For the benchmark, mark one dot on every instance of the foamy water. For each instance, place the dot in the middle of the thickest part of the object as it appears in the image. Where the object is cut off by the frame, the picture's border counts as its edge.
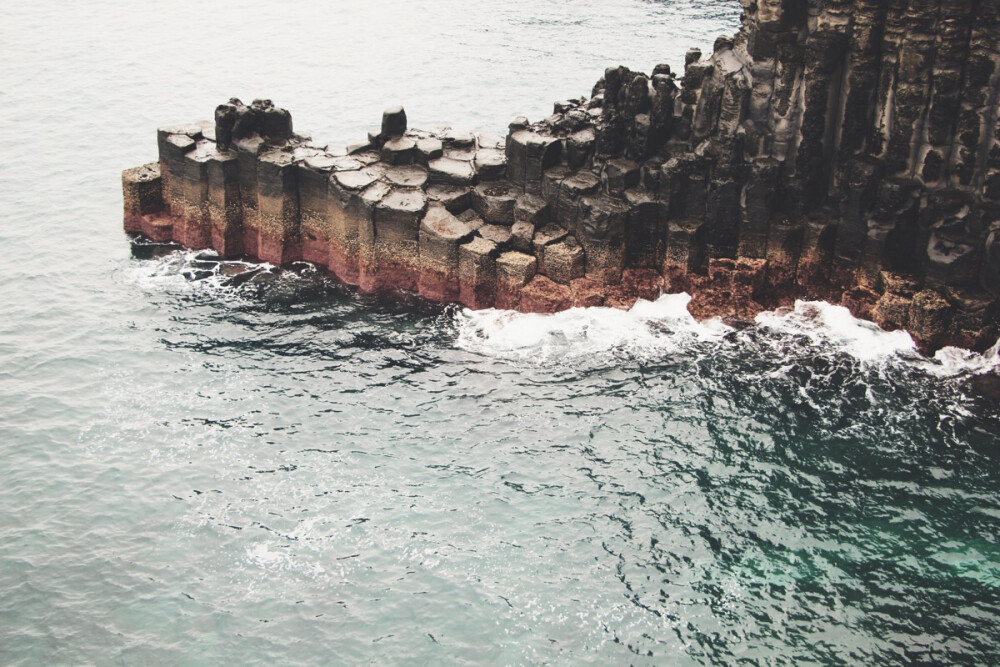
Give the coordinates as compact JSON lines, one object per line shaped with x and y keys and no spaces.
{"x":650,"y":328}
{"x":665,"y":326}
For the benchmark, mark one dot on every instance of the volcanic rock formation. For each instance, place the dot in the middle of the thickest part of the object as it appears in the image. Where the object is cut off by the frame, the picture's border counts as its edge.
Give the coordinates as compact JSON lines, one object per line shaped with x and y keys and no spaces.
{"x":847,"y":150}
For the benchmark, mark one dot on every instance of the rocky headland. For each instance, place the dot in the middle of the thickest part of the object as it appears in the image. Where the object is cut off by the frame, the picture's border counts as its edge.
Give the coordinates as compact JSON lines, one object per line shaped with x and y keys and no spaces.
{"x":846,"y":150}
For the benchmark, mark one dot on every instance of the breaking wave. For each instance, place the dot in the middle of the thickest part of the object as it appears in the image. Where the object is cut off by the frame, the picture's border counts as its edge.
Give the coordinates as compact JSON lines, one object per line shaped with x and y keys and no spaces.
{"x":653,"y":329}
{"x":649,"y":328}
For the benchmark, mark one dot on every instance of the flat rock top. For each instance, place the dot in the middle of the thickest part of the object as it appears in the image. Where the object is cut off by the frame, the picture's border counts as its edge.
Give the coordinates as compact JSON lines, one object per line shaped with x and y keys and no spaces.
{"x":407,"y":201}
{"x":458,"y":138}
{"x":490,"y":156}
{"x":357,"y":180}
{"x":603,"y":204}
{"x":527,"y":137}
{"x":189,"y":129}
{"x":366,"y":157}
{"x":728,"y":61}
{"x":279,"y":158}
{"x":479,"y":246}
{"x":495,"y":233}
{"x":622,"y":164}
{"x":374,"y":193}
{"x":439,"y":222}
{"x":321,"y":162}
{"x":182,"y":141}
{"x":300,"y":153}
{"x":496,"y":189}
{"x":252,"y":144}
{"x":344,"y":163}
{"x":582,"y":180}
{"x":516,"y":259}
{"x":550,"y":234}
{"x":204,"y":151}
{"x":683,"y":225}
{"x":446,"y":193}
{"x":399,"y":144}
{"x":147,"y":172}
{"x":566,"y":247}
{"x":466,"y":153}
{"x":529,"y":204}
{"x":410,"y":175}
{"x":490,"y":140}
{"x":455,"y":169}
{"x":640,"y":196}
{"x":429,"y":146}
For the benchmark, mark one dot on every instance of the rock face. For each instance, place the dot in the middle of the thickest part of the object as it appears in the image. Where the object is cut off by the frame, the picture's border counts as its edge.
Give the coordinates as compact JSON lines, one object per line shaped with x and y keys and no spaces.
{"x":847,"y":150}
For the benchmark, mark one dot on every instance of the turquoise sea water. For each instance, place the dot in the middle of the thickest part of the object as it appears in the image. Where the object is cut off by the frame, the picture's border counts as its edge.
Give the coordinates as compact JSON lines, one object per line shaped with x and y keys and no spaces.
{"x":287,"y":472}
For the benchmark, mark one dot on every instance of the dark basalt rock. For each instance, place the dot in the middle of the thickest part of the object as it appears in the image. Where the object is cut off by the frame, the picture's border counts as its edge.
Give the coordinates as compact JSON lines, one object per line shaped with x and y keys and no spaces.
{"x":393,"y":123}
{"x":839,"y":149}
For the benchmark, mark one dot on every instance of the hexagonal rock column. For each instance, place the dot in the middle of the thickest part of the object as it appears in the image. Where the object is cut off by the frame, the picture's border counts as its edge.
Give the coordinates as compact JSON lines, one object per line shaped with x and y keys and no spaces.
{"x":248,"y":149}
{"x":571,"y":189}
{"x":477,"y":273}
{"x":393,"y":122}
{"x":683,"y":254}
{"x":408,"y":176}
{"x":528,"y":155}
{"x":441,"y":234}
{"x":392,"y":261}
{"x":142,"y":191}
{"x":491,"y":164}
{"x":353,"y":193}
{"x":562,"y":262}
{"x":173,"y":144}
{"x":494,"y":202}
{"x":278,"y":208}
{"x":314,"y":207}
{"x":545,"y":237}
{"x":455,"y":198}
{"x":399,"y":150}
{"x":429,"y":149}
{"x":191,"y":201}
{"x":450,"y":171}
{"x":531,"y":208}
{"x":601,"y":232}
{"x":579,"y":148}
{"x":514,"y":270}
{"x":225,"y":207}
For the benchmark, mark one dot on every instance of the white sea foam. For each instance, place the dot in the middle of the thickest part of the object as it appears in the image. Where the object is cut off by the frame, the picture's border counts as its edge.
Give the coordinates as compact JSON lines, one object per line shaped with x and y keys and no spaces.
{"x":829,"y":326}
{"x":954,"y":361}
{"x":660,"y":327}
{"x":173,"y":272}
{"x":834,"y":326}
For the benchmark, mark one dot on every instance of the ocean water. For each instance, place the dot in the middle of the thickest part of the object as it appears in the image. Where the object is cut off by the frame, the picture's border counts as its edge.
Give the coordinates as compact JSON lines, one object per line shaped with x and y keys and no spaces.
{"x":286,"y":472}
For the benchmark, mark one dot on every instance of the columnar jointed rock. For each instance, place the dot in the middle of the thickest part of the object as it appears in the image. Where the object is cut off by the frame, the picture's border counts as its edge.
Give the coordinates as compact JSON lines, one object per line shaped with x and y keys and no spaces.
{"x":838,"y":149}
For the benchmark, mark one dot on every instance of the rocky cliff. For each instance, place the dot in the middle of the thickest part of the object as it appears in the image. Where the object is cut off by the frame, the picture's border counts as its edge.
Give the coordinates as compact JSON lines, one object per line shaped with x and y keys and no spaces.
{"x":847,"y":150}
